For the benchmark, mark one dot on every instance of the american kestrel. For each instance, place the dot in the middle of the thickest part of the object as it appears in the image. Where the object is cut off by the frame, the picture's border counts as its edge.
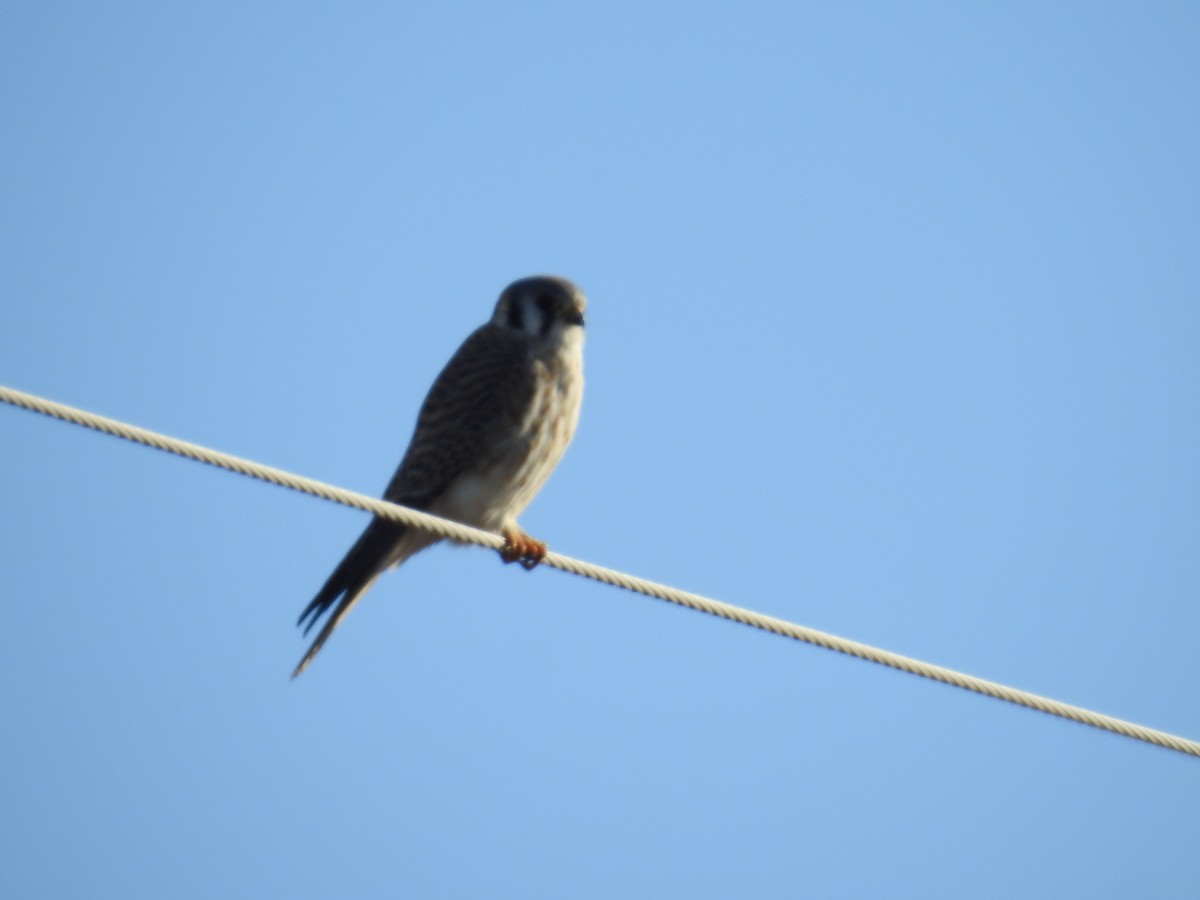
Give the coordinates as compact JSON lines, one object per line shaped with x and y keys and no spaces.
{"x":493,"y":427}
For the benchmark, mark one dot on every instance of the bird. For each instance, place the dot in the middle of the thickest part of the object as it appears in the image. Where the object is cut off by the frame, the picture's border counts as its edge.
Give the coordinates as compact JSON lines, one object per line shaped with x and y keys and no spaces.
{"x":493,"y":426}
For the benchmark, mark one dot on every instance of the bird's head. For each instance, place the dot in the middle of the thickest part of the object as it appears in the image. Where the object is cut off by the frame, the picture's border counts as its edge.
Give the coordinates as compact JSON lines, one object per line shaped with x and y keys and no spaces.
{"x":543,"y":308}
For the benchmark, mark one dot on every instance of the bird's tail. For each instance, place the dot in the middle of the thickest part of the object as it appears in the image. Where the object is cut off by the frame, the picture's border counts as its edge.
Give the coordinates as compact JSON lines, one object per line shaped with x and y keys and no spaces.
{"x":375,"y":551}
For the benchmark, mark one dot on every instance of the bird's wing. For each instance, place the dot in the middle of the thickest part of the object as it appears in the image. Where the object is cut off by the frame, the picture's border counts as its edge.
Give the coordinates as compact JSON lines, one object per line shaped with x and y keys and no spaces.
{"x":484,"y":388}
{"x":480,"y":395}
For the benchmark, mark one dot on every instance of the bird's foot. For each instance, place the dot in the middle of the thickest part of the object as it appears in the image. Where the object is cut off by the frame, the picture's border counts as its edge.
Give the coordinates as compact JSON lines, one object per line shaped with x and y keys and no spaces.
{"x":521,"y":548}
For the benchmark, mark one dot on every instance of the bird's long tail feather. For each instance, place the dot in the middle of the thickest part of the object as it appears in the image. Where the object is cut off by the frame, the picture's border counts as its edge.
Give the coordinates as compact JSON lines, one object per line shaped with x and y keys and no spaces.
{"x":374,"y":551}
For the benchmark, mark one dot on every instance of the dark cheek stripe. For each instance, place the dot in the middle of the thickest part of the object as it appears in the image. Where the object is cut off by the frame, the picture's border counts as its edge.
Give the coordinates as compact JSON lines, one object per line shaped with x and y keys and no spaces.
{"x":516,"y":316}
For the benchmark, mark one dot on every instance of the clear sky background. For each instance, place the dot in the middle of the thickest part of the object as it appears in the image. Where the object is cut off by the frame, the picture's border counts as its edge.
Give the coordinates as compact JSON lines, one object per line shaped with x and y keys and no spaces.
{"x":894,"y":332}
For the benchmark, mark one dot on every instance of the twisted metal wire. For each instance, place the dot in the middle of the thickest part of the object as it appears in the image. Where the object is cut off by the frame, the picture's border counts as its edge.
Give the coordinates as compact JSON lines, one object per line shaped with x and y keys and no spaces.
{"x":467,"y":535}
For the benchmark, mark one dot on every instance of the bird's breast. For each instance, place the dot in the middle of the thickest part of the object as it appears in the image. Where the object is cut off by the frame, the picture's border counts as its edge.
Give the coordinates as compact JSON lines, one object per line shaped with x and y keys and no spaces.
{"x":527,"y":451}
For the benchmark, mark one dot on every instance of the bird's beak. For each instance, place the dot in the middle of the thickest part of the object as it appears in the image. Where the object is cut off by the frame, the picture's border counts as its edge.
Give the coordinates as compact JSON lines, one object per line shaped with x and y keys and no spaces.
{"x":575,"y":317}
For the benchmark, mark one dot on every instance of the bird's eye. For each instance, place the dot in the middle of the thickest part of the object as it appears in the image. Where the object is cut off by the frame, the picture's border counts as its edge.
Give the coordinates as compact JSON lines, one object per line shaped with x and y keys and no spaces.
{"x":545,"y":302}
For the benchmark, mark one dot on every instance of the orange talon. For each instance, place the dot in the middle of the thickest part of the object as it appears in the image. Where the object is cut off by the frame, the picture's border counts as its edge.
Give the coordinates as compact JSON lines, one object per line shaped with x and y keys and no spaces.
{"x":521,"y":548}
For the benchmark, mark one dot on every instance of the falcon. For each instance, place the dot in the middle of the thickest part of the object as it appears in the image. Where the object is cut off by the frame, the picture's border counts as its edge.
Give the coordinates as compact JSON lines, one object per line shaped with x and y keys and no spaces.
{"x":491,"y":430}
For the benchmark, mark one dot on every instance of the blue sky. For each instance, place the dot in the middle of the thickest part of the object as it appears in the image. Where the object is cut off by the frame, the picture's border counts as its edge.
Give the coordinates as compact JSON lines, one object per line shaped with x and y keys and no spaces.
{"x":894,"y":332}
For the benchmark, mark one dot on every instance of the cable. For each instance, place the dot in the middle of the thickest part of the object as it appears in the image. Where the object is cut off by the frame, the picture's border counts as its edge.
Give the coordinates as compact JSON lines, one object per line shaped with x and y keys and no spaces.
{"x":467,"y":535}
